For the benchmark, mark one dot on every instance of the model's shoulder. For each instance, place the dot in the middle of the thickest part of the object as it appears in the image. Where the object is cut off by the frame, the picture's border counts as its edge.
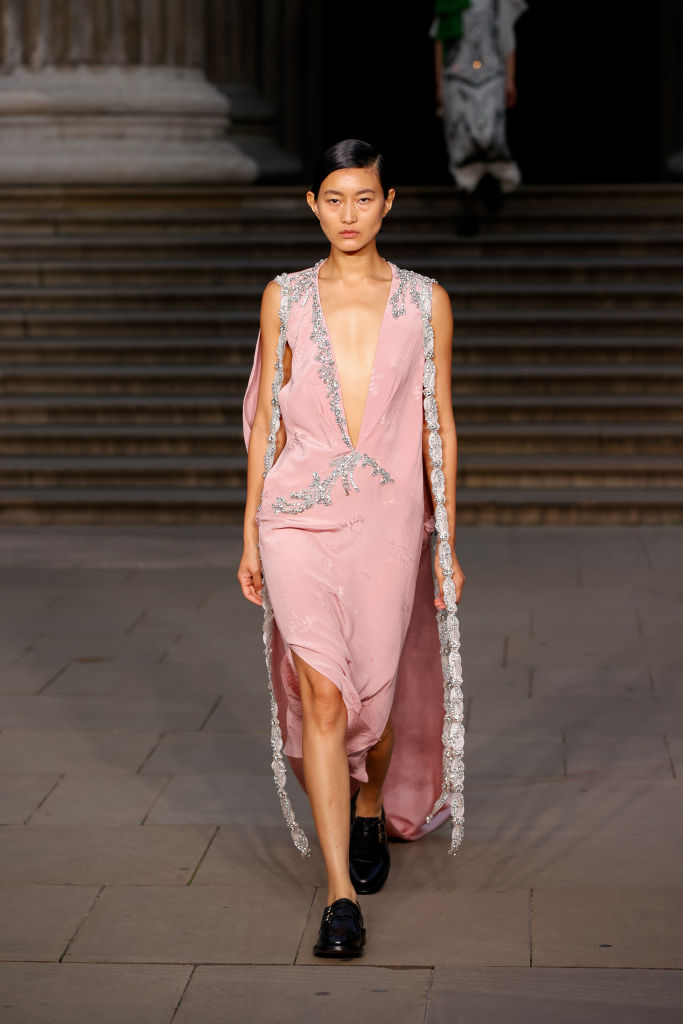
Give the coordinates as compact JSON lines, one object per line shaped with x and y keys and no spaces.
{"x":414,"y":276}
{"x":297,"y":278}
{"x":414,"y":286}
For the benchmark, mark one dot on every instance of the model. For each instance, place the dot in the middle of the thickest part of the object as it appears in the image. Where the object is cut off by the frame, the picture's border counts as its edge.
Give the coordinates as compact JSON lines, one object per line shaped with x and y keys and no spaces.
{"x":474,"y":59}
{"x":349,"y":543}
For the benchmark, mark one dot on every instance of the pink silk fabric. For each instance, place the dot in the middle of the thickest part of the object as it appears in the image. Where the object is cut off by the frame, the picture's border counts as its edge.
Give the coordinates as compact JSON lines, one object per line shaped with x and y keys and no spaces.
{"x":350,"y":582}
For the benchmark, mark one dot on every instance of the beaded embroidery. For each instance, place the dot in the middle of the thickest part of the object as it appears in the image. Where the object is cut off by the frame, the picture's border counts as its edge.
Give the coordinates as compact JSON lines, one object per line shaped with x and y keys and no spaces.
{"x":295,"y":288}
{"x":287,"y":296}
{"x":318,"y":492}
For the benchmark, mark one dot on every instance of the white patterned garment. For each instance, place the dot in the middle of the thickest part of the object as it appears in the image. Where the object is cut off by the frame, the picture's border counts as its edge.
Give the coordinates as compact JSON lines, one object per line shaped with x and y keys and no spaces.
{"x":473,"y":82}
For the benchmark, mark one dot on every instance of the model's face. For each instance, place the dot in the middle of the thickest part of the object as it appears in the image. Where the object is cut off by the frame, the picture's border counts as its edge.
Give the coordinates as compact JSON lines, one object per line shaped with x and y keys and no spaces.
{"x":350,"y":207}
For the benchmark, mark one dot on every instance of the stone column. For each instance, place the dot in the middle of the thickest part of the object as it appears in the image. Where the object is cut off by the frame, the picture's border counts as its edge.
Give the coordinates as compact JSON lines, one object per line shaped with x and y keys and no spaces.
{"x":111,"y":92}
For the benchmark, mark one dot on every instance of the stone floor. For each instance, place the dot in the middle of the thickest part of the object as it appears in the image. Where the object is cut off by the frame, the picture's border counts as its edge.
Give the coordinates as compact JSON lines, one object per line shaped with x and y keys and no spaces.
{"x":147,"y":876}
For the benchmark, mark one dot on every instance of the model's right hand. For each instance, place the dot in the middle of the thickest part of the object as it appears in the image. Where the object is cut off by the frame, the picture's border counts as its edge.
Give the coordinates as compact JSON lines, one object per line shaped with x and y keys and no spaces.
{"x":249,"y":575}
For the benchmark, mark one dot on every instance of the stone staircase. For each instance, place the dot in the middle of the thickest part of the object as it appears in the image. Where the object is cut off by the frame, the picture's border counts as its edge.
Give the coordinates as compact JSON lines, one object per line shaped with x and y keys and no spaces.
{"x":128,"y":323}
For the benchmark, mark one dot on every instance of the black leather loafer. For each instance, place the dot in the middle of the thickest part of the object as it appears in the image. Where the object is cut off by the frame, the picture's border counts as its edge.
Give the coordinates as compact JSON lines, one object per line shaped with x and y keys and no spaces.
{"x":369,"y":857}
{"x":341,"y":930}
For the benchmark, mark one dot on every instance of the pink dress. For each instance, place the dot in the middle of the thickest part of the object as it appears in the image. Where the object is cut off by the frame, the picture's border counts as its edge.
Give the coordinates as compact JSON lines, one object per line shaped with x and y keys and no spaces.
{"x":346,"y":538}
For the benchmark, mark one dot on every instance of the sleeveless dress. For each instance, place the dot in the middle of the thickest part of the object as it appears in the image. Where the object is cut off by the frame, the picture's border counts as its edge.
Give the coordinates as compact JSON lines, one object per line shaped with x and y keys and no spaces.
{"x":346,"y":539}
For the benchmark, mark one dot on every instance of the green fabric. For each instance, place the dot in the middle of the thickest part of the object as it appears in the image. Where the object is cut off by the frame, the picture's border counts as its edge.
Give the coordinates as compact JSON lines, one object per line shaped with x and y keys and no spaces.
{"x":449,"y":14}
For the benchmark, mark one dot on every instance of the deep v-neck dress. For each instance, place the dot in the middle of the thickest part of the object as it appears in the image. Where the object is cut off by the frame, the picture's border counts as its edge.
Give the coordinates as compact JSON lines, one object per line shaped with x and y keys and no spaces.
{"x":346,"y":538}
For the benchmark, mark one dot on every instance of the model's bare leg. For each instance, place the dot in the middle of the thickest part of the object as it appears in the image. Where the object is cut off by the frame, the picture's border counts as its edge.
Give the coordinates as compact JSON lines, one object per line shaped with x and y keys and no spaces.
{"x":326,"y":771}
{"x":369,"y":799}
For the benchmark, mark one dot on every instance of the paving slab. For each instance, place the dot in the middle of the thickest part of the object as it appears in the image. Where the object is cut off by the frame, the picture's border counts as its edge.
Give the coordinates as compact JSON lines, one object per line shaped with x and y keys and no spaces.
{"x":141,"y":678}
{"x":667,"y":674}
{"x":211,"y":751}
{"x":674,"y":743}
{"x":102,"y":854}
{"x":335,"y":993}
{"x":590,"y":751}
{"x":37,"y":921}
{"x":120,"y":799}
{"x":261,"y":855}
{"x":194,"y":924}
{"x":62,"y":618}
{"x":87,"y":713}
{"x":463,"y":927}
{"x":29,"y":674}
{"x":74,"y":993}
{"x":523,"y":996}
{"x":231,"y":798}
{"x":98,"y":646}
{"x":536,"y":717}
{"x":608,"y":927}
{"x":526,"y":856}
{"x":591,"y":645}
{"x":622,"y":805}
{"x":44,"y":750}
{"x":509,"y":756}
{"x":497,"y":680}
{"x":21,"y":794}
{"x":599,"y":682}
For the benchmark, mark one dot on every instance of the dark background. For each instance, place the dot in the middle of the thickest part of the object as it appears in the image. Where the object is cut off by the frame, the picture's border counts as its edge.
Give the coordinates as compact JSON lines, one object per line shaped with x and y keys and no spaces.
{"x":589,"y":89}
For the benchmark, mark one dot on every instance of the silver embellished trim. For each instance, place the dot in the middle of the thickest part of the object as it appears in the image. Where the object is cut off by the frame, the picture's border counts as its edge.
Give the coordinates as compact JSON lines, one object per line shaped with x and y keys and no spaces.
{"x":453,"y":735}
{"x":318,"y":492}
{"x":325,"y":356}
{"x":278,"y":763}
{"x":291,"y":291}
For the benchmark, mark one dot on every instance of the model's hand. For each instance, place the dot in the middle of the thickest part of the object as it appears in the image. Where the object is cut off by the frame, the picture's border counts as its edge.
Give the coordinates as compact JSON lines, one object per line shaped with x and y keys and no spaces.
{"x":249,"y":575}
{"x":510,"y":93}
{"x":438,"y":99}
{"x":458,"y":579}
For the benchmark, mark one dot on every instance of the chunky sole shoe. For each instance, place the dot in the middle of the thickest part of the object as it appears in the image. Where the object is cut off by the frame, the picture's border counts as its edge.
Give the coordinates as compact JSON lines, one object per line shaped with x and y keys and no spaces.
{"x":341,"y":930}
{"x":369,"y":857}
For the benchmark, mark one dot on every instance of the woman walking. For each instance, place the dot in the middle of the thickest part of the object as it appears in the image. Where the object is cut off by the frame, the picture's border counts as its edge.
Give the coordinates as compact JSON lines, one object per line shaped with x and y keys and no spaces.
{"x":474,"y":60}
{"x":351,"y":442}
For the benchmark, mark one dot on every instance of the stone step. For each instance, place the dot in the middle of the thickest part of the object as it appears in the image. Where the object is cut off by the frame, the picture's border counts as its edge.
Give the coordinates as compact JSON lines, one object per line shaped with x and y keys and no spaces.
{"x":257,"y":272}
{"x":525,"y":506}
{"x":291,"y":214}
{"x":244,"y":299}
{"x":128,"y":320}
{"x":475,"y":470}
{"x":476,"y":408}
{"x":231,"y":379}
{"x":172,"y":439}
{"x":118,"y":323}
{"x":50,"y":198}
{"x":502,"y":350}
{"x":291,"y":251}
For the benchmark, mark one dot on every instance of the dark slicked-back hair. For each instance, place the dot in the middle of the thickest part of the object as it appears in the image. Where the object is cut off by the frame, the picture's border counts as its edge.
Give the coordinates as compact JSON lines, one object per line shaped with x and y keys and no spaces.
{"x":349,"y":153}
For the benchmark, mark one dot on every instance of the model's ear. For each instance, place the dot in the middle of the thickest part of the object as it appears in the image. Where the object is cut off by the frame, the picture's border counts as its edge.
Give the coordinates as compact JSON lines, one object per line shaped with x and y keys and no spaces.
{"x":313,"y":203}
{"x":389,"y":201}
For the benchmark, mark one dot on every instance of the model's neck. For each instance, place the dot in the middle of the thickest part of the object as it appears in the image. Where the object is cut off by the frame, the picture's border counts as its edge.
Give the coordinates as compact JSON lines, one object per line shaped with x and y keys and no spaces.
{"x":354,"y":266}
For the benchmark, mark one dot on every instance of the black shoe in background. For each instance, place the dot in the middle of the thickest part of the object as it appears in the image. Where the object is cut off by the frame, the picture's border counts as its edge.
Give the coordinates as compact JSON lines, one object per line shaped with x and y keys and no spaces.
{"x":369,"y":857}
{"x":490,"y":193}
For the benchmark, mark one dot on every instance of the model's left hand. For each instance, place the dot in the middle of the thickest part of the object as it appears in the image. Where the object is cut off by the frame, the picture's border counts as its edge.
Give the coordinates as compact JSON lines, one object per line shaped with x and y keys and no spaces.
{"x":510,"y":93}
{"x":458,"y":579}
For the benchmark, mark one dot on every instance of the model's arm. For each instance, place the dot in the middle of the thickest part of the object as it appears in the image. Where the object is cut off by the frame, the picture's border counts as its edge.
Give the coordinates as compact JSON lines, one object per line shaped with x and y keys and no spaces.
{"x":438,"y":69}
{"x":442,"y":322}
{"x":249,"y":572}
{"x":510,"y":81}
